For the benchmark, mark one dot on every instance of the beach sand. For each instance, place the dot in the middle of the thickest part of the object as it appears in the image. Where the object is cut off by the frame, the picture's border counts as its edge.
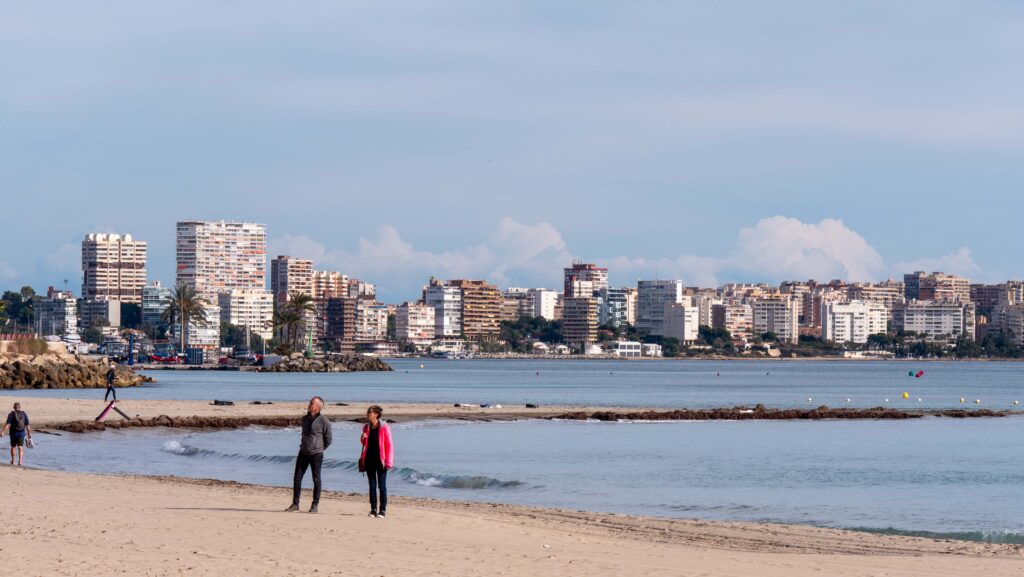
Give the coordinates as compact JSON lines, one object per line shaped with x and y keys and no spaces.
{"x":49,"y":412}
{"x":57,"y":523}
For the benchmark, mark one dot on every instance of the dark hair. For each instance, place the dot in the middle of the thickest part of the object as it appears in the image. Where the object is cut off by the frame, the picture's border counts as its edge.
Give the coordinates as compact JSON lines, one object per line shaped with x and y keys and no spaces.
{"x":375,"y":409}
{"x":17,"y":407}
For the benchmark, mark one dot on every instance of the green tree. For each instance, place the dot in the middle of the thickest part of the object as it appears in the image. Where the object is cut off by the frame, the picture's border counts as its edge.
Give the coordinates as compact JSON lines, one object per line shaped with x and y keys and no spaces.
{"x":184,"y":306}
{"x":300,"y":306}
{"x":92,"y":335}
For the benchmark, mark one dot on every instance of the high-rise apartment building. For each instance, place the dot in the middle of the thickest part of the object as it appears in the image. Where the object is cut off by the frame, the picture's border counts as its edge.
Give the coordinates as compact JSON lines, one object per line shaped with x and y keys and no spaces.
{"x":447,"y":302}
{"x":481,"y":309}
{"x":778,"y":316}
{"x":736,"y":318}
{"x":682,"y":321}
{"x":329,"y":284}
{"x":651,"y":297}
{"x":579,"y":321}
{"x":936,"y":320}
{"x":886,"y":293}
{"x":581,"y":272}
{"x":617,"y":306}
{"x":252,"y":309}
{"x":56,"y":313}
{"x":936,"y":286}
{"x":341,"y":323}
{"x":371,"y":321}
{"x":218,"y":256}
{"x":414,"y":324}
{"x":155,"y":300}
{"x":113,"y":267}
{"x":288,"y":275}
{"x":854,"y":321}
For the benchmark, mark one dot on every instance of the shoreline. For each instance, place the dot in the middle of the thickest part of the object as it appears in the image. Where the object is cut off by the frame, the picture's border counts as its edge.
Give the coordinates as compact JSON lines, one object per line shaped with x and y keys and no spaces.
{"x":167,"y":525}
{"x":77,"y":415}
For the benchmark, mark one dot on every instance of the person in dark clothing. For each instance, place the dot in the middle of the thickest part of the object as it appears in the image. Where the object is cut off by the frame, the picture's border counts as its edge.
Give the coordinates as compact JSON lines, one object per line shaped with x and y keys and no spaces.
{"x":21,"y":429}
{"x":111,"y":377}
{"x":316,"y":437}
{"x":377,"y":459}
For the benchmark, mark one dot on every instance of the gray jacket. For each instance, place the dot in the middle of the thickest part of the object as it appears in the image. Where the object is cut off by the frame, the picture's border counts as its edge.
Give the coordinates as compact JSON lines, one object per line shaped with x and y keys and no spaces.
{"x":316,"y":434}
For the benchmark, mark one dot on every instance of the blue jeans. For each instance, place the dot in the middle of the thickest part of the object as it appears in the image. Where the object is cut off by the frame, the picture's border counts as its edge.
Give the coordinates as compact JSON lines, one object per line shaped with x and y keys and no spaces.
{"x":378,"y":477}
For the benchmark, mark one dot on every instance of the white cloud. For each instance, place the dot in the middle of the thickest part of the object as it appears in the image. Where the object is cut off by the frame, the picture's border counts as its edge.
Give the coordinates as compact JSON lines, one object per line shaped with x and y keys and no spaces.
{"x":959,"y":262}
{"x":774,"y":249}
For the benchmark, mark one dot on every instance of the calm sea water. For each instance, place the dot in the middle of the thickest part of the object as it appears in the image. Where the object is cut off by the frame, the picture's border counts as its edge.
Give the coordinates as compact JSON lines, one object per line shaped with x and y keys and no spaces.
{"x":955,"y":478}
{"x":611,"y":383}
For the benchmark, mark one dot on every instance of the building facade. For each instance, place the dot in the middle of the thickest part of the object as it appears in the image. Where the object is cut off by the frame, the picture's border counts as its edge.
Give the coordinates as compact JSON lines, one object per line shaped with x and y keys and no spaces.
{"x":854,"y":321}
{"x":340,"y":330}
{"x":617,"y":306}
{"x":778,"y":316}
{"x":288,"y":275}
{"x":99,"y":313}
{"x":113,"y":267}
{"x":218,"y":256}
{"x":682,"y":321}
{"x":447,"y":303}
{"x":481,"y":309}
{"x":935,"y":320}
{"x":736,"y":318}
{"x":579,"y":321}
{"x":544,"y":303}
{"x":580,"y":272}
{"x":414,"y":324}
{"x":651,"y":298}
{"x":56,"y":313}
{"x":249,"y":308}
{"x":155,"y":300}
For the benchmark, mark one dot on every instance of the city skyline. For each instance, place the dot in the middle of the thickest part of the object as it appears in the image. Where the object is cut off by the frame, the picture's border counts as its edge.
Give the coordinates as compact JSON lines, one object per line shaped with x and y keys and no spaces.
{"x":777,"y":249}
{"x":646,"y":137}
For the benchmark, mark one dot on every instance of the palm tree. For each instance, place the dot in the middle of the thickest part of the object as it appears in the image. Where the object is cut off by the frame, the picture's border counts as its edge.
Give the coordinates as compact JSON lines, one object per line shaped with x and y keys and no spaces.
{"x":300,"y":304}
{"x":284,"y":320}
{"x":184,"y":306}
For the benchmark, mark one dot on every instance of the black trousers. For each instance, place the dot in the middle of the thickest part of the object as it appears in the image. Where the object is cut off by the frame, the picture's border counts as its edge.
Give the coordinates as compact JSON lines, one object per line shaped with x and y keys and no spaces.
{"x":378,"y":477}
{"x":303,"y":462}
{"x":110,"y":391}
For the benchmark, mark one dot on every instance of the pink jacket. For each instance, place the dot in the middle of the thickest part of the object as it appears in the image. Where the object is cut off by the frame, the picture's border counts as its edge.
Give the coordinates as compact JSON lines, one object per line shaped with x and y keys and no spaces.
{"x":387,"y":450}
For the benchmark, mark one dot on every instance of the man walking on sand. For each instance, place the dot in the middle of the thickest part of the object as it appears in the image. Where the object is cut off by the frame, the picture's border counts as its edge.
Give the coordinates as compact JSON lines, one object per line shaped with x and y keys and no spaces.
{"x":111,"y":377}
{"x":316,"y":437}
{"x":17,"y":422}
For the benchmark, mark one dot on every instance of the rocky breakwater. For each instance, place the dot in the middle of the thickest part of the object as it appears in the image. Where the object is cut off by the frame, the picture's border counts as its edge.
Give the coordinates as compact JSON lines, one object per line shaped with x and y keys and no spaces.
{"x":297,"y":363}
{"x":62,"y":371}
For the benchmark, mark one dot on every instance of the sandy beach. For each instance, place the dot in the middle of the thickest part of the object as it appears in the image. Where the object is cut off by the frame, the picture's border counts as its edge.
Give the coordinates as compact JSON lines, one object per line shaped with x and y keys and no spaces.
{"x":76,"y":524}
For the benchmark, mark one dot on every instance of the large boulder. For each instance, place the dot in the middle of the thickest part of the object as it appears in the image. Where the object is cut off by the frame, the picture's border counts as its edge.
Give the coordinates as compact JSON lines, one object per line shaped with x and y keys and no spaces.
{"x":62,"y":371}
{"x":297,"y":363}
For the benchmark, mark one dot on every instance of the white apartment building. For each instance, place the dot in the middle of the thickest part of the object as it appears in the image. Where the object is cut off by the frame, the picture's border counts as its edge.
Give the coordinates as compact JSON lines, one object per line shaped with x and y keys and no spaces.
{"x":936,"y":320}
{"x":113,"y":267}
{"x":1008,"y":318}
{"x":543,"y":302}
{"x":218,"y":256}
{"x":779,"y":316}
{"x":154,"y":302}
{"x":682,"y":321}
{"x":627,"y":349}
{"x":854,"y":321}
{"x":371,"y":321}
{"x":617,"y":306}
{"x":201,"y":335}
{"x":56,"y":313}
{"x":651,"y":297}
{"x":447,"y":303}
{"x":249,"y":308}
{"x":414,"y":324}
{"x":704,"y":304}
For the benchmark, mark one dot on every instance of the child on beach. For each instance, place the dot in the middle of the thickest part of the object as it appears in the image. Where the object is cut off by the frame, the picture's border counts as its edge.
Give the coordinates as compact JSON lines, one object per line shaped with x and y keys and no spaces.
{"x":377,"y":458}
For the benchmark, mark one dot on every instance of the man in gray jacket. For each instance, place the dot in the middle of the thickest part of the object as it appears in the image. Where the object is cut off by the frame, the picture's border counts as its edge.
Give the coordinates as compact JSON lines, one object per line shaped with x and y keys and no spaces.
{"x":316,"y":437}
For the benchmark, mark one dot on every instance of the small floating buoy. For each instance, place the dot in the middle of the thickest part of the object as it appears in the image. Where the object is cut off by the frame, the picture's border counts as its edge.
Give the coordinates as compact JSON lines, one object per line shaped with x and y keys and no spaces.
{"x":977,"y":401}
{"x":421,"y":365}
{"x":887,"y":400}
{"x":961,"y":400}
{"x":1016,"y":402}
{"x":906,"y":395}
{"x":847,"y":400}
{"x":809,"y":399}
{"x":919,"y":399}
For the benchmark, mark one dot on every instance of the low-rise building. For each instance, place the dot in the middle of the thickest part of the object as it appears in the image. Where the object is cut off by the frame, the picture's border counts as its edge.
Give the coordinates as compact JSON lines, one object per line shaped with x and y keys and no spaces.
{"x":99,"y":313}
{"x":627,"y":349}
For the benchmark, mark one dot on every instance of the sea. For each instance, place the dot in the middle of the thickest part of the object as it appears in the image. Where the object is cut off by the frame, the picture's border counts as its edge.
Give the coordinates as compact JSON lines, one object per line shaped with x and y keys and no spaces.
{"x":935,"y":476}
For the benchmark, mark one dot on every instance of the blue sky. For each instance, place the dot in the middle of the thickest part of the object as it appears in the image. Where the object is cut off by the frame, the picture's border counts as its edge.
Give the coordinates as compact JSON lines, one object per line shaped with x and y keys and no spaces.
{"x":393,"y":140}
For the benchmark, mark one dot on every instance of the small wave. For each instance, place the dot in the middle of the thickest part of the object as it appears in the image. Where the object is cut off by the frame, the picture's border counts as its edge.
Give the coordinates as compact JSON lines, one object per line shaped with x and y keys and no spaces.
{"x":1000,"y":537}
{"x":181,"y":449}
{"x":408,"y":474}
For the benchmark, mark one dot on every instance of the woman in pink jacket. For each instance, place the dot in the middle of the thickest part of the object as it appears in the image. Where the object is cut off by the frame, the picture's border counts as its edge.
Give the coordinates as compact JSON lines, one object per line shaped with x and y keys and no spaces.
{"x":377,"y":458}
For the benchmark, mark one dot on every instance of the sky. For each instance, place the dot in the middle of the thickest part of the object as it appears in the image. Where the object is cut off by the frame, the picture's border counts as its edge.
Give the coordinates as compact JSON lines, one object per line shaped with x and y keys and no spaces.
{"x":394,"y":140}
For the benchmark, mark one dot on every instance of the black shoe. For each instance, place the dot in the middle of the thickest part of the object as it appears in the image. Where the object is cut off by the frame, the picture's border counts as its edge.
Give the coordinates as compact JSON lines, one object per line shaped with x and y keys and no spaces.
{"x":312,"y":509}
{"x":381,"y":515}
{"x":294,"y":507}
{"x":373,"y":513}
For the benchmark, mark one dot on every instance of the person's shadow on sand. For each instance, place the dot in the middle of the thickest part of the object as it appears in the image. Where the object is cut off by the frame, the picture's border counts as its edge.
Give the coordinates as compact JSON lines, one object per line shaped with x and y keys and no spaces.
{"x":236,"y":510}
